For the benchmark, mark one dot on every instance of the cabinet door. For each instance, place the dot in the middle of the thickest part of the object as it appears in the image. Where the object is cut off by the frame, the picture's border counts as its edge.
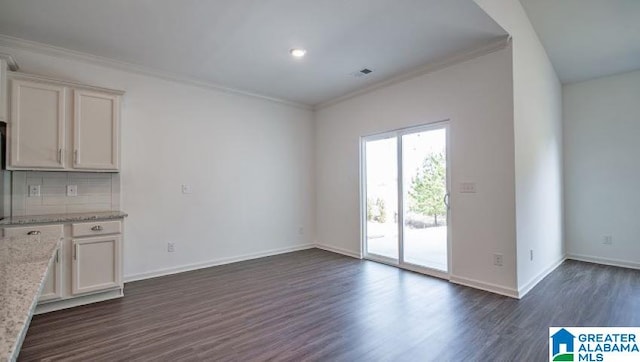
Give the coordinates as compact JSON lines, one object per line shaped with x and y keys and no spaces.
{"x":96,"y":264}
{"x":95,"y":130}
{"x":37,"y":125}
{"x":52,"y":287}
{"x":3,"y":90}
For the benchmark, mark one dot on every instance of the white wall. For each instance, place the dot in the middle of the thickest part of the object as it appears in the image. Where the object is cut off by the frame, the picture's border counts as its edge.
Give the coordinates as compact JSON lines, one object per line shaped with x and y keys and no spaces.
{"x":537,"y":101}
{"x":249,"y":160}
{"x":476,"y":96}
{"x":602,"y":171}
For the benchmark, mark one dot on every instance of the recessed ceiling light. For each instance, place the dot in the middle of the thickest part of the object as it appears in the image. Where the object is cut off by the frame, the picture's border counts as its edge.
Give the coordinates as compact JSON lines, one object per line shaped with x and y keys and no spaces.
{"x":298,"y":52}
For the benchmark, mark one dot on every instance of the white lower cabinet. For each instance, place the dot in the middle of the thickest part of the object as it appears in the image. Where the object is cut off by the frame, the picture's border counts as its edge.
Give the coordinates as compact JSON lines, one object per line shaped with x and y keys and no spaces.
{"x":96,"y":264}
{"x":88,"y":266}
{"x":52,"y":289}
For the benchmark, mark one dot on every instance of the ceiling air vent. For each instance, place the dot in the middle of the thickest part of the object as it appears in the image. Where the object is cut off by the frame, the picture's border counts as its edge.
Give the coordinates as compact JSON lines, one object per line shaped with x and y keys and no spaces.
{"x":362,"y":72}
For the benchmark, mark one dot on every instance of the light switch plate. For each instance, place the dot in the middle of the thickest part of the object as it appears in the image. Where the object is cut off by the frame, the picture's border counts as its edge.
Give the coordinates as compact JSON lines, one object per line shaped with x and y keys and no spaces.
{"x":186,"y":189}
{"x":468,"y":187}
{"x":72,"y":190}
{"x":34,"y":190}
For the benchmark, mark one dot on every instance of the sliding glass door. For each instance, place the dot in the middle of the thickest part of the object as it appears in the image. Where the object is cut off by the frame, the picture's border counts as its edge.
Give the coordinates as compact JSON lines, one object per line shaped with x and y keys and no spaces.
{"x":382,"y":197}
{"x":405,"y":198}
{"x":424,"y":193}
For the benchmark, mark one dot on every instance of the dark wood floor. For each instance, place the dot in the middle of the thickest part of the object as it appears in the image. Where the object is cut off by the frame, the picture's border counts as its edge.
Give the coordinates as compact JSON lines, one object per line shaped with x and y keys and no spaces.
{"x":315,"y":305}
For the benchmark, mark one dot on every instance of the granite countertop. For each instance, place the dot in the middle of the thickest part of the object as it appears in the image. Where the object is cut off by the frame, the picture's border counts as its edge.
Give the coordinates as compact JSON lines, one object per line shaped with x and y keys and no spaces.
{"x":24,"y":263}
{"x":62,"y":218}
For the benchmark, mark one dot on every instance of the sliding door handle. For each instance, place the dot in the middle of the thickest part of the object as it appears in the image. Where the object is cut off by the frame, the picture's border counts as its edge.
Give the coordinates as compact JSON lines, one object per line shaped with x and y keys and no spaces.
{"x":446,"y":200}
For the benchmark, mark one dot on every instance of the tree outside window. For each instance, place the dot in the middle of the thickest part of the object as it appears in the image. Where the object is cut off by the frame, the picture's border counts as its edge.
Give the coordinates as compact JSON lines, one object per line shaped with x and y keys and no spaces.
{"x":428,"y":187}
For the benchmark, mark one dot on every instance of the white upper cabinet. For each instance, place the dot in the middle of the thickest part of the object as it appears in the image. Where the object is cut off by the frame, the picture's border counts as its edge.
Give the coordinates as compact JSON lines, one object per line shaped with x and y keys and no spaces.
{"x":7,"y":63}
{"x":3,"y":90}
{"x":58,"y":125}
{"x":37,"y":126}
{"x":95,"y":130}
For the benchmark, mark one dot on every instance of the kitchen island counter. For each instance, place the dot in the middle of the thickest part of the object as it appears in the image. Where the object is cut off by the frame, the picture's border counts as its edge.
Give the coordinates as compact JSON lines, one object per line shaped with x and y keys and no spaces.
{"x":24,"y":264}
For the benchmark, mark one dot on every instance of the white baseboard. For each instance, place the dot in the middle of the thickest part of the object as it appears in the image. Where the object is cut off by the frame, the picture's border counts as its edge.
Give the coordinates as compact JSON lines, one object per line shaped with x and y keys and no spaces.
{"x":494,"y":288}
{"x":605,"y":261}
{"x":538,"y":278}
{"x":215,"y":262}
{"x":74,"y":302}
{"x":489,"y":287}
{"x":334,"y":249}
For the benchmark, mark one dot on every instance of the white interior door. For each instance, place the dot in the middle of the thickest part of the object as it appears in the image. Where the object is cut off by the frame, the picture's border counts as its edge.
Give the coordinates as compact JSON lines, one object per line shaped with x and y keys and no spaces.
{"x":405,"y":190}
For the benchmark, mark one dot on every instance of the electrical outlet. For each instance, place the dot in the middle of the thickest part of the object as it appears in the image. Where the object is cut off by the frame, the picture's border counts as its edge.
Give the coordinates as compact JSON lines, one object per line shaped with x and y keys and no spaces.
{"x":72,"y":190}
{"x":498,"y":259}
{"x":607,"y":240}
{"x":468,"y":187}
{"x":34,"y":190}
{"x":186,"y":189}
{"x":531,"y":254}
{"x":171,"y":247}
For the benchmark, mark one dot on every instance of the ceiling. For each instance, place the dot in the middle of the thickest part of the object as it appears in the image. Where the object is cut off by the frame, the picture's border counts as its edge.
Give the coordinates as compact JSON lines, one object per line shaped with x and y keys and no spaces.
{"x":244,"y":44}
{"x":588,"y":38}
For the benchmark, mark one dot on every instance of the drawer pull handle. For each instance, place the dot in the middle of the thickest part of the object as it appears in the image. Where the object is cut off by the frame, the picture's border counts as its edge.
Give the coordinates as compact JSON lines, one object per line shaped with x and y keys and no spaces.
{"x":97,"y":228}
{"x":34,"y":232}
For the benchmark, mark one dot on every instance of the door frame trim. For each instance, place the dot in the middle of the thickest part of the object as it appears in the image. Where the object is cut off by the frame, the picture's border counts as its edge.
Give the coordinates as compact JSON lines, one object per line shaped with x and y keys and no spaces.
{"x":398,"y":133}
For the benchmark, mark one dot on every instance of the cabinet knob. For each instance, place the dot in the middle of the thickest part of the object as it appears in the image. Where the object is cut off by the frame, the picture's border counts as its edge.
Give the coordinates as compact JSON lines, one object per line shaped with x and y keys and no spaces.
{"x":34,"y":232}
{"x":97,"y":228}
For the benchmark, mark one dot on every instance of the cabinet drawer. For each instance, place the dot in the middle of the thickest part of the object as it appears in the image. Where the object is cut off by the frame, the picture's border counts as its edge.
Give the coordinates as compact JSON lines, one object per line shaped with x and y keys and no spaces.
{"x":43,"y":229}
{"x":96,"y":228}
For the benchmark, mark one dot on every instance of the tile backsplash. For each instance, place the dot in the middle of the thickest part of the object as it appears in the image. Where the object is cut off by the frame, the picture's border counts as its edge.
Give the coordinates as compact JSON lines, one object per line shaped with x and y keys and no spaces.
{"x":95,"y":192}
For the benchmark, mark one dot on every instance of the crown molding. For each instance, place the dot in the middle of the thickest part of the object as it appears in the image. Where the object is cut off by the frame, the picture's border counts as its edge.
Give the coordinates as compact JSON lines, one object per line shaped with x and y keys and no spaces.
{"x":46,"y":49}
{"x":42,"y":78}
{"x":422,"y":70}
{"x":11,"y":61}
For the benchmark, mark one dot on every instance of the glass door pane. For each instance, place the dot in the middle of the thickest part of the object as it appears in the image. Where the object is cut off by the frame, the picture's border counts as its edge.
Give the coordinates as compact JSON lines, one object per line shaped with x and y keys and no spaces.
{"x":382,"y":197}
{"x":424,"y":168}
